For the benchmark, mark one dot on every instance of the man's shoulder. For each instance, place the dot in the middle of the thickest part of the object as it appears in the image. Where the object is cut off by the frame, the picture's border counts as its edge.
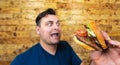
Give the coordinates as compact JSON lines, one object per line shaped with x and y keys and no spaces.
{"x":30,"y":51}
{"x":26,"y":56}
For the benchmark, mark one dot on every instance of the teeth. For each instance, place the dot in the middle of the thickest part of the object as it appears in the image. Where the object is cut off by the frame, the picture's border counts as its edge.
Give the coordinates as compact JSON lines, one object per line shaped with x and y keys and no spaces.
{"x":56,"y":34}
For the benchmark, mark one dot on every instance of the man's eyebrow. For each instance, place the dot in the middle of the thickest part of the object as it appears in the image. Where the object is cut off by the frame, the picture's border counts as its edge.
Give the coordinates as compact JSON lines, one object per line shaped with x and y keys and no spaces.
{"x":50,"y":21}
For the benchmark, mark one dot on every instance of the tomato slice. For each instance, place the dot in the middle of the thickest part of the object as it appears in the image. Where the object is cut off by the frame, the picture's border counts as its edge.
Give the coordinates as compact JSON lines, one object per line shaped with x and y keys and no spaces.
{"x":81,"y":33}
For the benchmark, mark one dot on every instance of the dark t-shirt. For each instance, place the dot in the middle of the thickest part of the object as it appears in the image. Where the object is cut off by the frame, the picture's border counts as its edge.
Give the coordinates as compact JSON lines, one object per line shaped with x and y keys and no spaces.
{"x":36,"y":55}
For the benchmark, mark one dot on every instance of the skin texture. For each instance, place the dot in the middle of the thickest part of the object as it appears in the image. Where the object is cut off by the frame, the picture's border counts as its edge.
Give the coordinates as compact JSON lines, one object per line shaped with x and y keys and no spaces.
{"x":49,"y":32}
{"x":111,"y":56}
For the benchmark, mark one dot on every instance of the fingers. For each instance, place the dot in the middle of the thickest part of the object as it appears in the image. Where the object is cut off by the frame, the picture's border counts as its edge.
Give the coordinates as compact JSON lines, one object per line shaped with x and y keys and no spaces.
{"x":114,"y":43}
{"x":106,"y":36}
{"x":109,"y":41}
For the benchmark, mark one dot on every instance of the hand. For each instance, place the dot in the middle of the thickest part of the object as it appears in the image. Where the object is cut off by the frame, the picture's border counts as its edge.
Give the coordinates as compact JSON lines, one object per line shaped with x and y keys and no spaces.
{"x":111,"y":56}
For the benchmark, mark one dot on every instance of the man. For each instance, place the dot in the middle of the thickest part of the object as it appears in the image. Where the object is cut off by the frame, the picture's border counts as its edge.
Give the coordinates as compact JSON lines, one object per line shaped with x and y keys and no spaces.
{"x":50,"y":50}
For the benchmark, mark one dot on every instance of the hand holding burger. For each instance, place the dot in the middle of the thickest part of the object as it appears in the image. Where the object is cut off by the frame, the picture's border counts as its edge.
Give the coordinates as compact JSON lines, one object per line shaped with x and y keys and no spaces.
{"x":109,"y":57}
{"x":104,"y":50}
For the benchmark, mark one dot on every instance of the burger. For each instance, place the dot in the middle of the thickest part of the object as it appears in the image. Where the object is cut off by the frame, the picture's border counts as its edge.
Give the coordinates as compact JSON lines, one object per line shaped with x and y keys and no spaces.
{"x":90,"y":38}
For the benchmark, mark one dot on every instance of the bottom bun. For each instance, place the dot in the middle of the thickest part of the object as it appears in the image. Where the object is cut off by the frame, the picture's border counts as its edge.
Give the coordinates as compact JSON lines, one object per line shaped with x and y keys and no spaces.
{"x":82,"y":44}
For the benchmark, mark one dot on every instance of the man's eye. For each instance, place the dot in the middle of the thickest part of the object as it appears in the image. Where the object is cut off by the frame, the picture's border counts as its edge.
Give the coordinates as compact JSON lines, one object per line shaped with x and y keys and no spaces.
{"x":58,"y":24}
{"x":49,"y":24}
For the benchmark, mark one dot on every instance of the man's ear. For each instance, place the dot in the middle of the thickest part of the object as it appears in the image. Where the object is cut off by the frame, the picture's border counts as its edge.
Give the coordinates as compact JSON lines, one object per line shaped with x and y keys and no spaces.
{"x":38,"y":29}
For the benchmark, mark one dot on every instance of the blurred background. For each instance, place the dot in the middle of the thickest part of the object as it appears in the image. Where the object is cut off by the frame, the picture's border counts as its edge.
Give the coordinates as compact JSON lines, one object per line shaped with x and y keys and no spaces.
{"x":17,"y":22}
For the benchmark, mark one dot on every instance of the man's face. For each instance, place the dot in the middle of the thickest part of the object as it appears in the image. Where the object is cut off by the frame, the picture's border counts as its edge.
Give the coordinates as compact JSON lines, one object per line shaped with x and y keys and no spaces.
{"x":49,"y":30}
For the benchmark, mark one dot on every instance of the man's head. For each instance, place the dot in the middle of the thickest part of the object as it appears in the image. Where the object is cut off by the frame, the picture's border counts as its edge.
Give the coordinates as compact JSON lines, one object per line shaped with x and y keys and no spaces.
{"x":43,"y":14}
{"x":48,"y":27}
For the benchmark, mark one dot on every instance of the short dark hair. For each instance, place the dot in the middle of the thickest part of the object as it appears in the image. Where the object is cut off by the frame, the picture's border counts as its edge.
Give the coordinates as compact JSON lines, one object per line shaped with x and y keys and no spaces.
{"x":43,"y":14}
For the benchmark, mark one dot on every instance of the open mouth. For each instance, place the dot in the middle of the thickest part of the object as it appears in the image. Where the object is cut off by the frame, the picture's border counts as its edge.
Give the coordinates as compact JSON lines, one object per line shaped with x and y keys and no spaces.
{"x":55,"y":35}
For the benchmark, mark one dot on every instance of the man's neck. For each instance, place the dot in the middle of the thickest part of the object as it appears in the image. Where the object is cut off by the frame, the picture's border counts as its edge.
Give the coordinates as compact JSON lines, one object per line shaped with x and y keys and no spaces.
{"x":49,"y":48}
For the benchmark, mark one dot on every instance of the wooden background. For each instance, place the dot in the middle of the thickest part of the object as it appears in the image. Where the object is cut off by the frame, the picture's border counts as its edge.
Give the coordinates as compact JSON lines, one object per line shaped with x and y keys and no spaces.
{"x":17,"y":22}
